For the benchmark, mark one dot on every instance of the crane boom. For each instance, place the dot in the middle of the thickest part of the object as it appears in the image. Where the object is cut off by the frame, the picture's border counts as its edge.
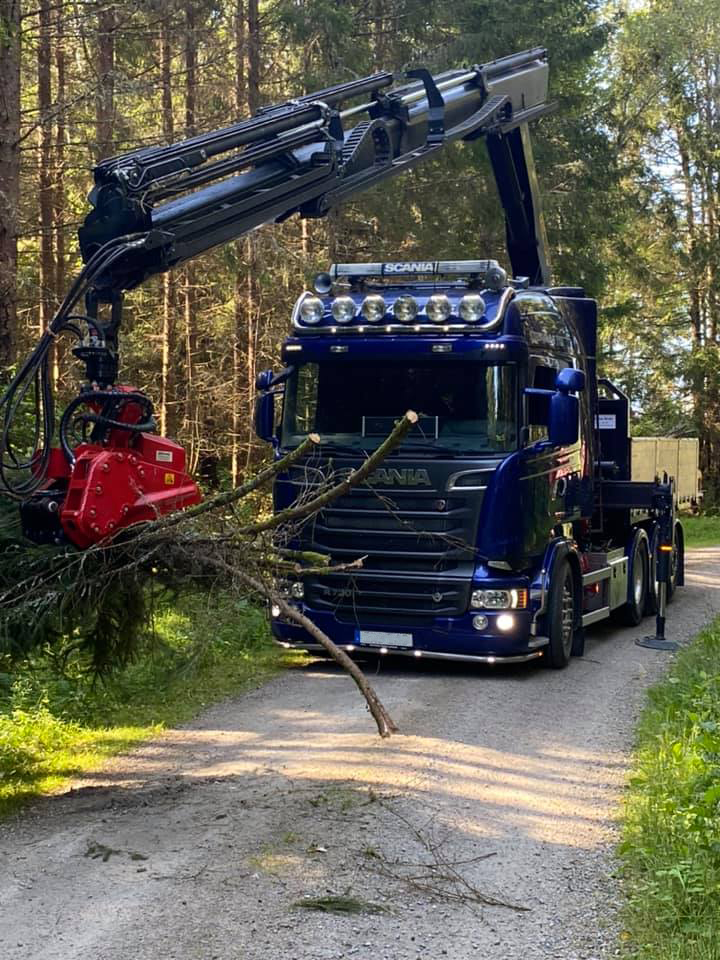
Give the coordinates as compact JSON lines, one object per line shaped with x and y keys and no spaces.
{"x":156,"y":208}
{"x":167,"y":205}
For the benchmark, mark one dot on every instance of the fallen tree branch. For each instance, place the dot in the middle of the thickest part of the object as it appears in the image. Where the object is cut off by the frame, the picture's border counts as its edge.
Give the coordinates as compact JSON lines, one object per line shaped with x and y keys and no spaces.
{"x":230,"y":496}
{"x":384,"y":721}
{"x":402,"y":427}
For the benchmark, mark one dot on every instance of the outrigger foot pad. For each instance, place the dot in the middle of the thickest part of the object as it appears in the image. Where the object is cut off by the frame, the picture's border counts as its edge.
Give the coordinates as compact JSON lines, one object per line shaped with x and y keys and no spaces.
{"x":658,"y":643}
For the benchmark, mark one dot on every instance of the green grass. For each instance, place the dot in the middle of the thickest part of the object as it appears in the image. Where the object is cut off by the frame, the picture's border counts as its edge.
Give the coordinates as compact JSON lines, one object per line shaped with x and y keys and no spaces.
{"x":56,"y":725}
{"x":701,"y":531}
{"x":671,"y":841}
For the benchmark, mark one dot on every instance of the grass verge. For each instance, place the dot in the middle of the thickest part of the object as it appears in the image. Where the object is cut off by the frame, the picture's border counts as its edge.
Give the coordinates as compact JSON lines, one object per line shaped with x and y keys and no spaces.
{"x":701,"y":531}
{"x":671,"y":840}
{"x":57,"y":723}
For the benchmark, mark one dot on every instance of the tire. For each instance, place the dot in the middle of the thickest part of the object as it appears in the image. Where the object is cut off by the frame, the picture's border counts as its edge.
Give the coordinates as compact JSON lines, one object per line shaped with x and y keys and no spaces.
{"x":561,"y":618}
{"x":676,"y":562}
{"x":631,"y":613}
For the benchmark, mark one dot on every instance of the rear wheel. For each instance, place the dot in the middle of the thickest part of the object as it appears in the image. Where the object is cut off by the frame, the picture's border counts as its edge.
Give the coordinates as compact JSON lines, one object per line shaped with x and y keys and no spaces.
{"x":633,"y":611}
{"x":676,"y":562}
{"x":561,"y":617}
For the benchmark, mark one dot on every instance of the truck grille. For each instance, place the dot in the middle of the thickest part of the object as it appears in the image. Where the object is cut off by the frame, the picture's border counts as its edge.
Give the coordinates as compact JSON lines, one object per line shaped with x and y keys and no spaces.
{"x":417,"y":546}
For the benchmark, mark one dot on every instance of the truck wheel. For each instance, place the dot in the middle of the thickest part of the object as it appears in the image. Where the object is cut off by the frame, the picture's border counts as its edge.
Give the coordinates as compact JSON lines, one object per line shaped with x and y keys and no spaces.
{"x":561,"y":617}
{"x":676,"y":561}
{"x":634,"y":610}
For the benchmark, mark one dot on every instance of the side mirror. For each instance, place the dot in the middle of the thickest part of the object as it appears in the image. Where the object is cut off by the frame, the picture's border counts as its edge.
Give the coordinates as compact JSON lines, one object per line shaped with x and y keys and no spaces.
{"x":265,"y":406}
{"x":265,"y":416}
{"x":564,"y":422}
{"x":265,"y":381}
{"x":570,"y":380}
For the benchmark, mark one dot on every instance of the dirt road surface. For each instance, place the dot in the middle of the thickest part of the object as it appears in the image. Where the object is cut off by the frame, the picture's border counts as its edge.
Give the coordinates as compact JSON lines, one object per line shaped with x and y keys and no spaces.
{"x":504,"y":785}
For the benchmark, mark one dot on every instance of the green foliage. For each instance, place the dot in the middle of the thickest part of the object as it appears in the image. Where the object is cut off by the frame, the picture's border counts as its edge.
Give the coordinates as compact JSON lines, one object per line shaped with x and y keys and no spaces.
{"x":671,"y":836}
{"x":57,"y":721}
{"x":101,"y":622}
{"x":702,"y":530}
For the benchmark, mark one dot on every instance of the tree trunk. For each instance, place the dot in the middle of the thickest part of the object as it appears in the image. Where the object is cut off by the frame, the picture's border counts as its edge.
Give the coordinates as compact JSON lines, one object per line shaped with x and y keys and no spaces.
{"x":168,"y":330}
{"x":252,"y":291}
{"x":238,"y":406}
{"x":59,"y":188}
{"x":105,"y":99}
{"x":9,"y":172}
{"x":188,"y":292}
{"x":45,"y":174}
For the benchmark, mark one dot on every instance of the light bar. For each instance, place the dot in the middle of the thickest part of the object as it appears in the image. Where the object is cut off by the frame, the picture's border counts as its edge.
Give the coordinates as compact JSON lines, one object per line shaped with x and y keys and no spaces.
{"x":413,"y":268}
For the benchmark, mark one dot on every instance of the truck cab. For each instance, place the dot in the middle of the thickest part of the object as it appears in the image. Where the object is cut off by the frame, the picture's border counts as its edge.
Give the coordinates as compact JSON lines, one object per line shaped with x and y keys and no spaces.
{"x":483,"y":535}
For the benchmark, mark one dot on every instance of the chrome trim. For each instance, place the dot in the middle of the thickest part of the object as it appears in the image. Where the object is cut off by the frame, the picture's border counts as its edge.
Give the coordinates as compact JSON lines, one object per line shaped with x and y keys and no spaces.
{"x":602,"y":614}
{"x":295,"y":315}
{"x":381,"y":326}
{"x":543,"y":598}
{"x":426,"y":655}
{"x":463,"y":473}
{"x":538,"y":642}
{"x":595,"y":576}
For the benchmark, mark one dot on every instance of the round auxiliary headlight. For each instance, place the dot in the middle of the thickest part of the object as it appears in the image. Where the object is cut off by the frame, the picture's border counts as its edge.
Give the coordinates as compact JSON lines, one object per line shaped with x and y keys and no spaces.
{"x":472,"y":308}
{"x":343,"y":309}
{"x":312,"y":310}
{"x":438,"y":308}
{"x":405,"y":309}
{"x":373,"y":308}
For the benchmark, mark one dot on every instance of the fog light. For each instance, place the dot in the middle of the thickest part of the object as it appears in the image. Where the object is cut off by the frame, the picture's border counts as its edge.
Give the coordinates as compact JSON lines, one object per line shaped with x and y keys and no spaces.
{"x":405,"y":309}
{"x":480,"y":622}
{"x":383,"y":649}
{"x":418,"y":653}
{"x":505,"y":622}
{"x":297,"y":590}
{"x":275,"y":611}
{"x":438,"y":308}
{"x":343,"y":309}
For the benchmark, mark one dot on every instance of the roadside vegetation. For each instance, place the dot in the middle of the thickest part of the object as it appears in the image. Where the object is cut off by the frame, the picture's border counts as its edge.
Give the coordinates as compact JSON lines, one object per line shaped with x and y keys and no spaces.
{"x":58,"y":719}
{"x":702,"y":530}
{"x":671,"y":841}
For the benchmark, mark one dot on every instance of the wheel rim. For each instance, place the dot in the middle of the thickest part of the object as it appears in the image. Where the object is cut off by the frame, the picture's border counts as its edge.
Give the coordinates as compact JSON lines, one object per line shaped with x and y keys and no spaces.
{"x":638,"y":579}
{"x":568,"y":616}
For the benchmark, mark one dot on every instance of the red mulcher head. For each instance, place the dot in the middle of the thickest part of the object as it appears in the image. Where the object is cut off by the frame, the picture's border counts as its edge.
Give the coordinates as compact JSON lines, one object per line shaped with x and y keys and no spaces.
{"x":121,"y":476}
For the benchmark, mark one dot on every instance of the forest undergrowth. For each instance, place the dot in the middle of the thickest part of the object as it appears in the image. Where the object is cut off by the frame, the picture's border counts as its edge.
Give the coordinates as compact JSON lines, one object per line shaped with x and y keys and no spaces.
{"x":59,"y":720}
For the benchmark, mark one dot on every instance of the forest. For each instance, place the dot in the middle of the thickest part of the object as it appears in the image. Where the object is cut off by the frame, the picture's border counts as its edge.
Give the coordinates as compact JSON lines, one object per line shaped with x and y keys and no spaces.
{"x":629,"y":169}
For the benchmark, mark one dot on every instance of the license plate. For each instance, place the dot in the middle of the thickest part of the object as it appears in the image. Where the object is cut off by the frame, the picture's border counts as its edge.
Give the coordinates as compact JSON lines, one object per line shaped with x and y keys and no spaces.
{"x":378,"y":638}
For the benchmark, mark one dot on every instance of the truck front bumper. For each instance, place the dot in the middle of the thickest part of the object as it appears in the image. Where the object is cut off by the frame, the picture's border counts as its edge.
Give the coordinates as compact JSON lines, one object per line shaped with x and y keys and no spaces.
{"x":442,"y":639}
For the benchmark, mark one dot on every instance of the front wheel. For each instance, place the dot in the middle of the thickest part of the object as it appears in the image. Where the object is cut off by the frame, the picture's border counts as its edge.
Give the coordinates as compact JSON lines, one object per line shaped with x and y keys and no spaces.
{"x":561,"y":617}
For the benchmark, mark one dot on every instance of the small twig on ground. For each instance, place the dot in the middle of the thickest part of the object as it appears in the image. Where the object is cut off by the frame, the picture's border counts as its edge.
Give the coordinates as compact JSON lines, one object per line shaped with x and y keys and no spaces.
{"x":439,"y":875}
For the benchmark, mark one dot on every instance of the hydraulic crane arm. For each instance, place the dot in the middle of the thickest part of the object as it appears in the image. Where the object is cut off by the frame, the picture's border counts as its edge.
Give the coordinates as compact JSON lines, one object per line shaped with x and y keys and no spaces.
{"x":160,"y":207}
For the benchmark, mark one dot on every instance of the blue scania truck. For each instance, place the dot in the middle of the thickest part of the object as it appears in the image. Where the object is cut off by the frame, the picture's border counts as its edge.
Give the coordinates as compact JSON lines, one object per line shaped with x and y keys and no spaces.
{"x":507,"y":520}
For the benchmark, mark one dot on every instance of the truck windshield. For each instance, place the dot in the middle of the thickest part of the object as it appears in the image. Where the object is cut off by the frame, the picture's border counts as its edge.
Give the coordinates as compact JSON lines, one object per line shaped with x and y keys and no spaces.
{"x":464,"y":405}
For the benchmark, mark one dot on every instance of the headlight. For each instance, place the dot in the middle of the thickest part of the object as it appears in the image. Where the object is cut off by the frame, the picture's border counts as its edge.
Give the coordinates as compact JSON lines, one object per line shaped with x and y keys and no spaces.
{"x":438,"y":308}
{"x":297,"y":590}
{"x":405,"y":309}
{"x":472,"y":308}
{"x":373,"y":308}
{"x":513,"y":599}
{"x":312,"y":310}
{"x":343,"y":309}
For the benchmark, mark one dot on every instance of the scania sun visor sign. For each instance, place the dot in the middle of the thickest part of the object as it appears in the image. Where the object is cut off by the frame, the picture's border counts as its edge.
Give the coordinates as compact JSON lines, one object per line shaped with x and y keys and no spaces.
{"x":413,"y":268}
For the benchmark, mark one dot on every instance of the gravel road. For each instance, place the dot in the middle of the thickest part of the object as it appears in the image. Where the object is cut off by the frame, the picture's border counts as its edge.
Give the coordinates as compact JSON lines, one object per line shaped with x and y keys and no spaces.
{"x":503,"y":785}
